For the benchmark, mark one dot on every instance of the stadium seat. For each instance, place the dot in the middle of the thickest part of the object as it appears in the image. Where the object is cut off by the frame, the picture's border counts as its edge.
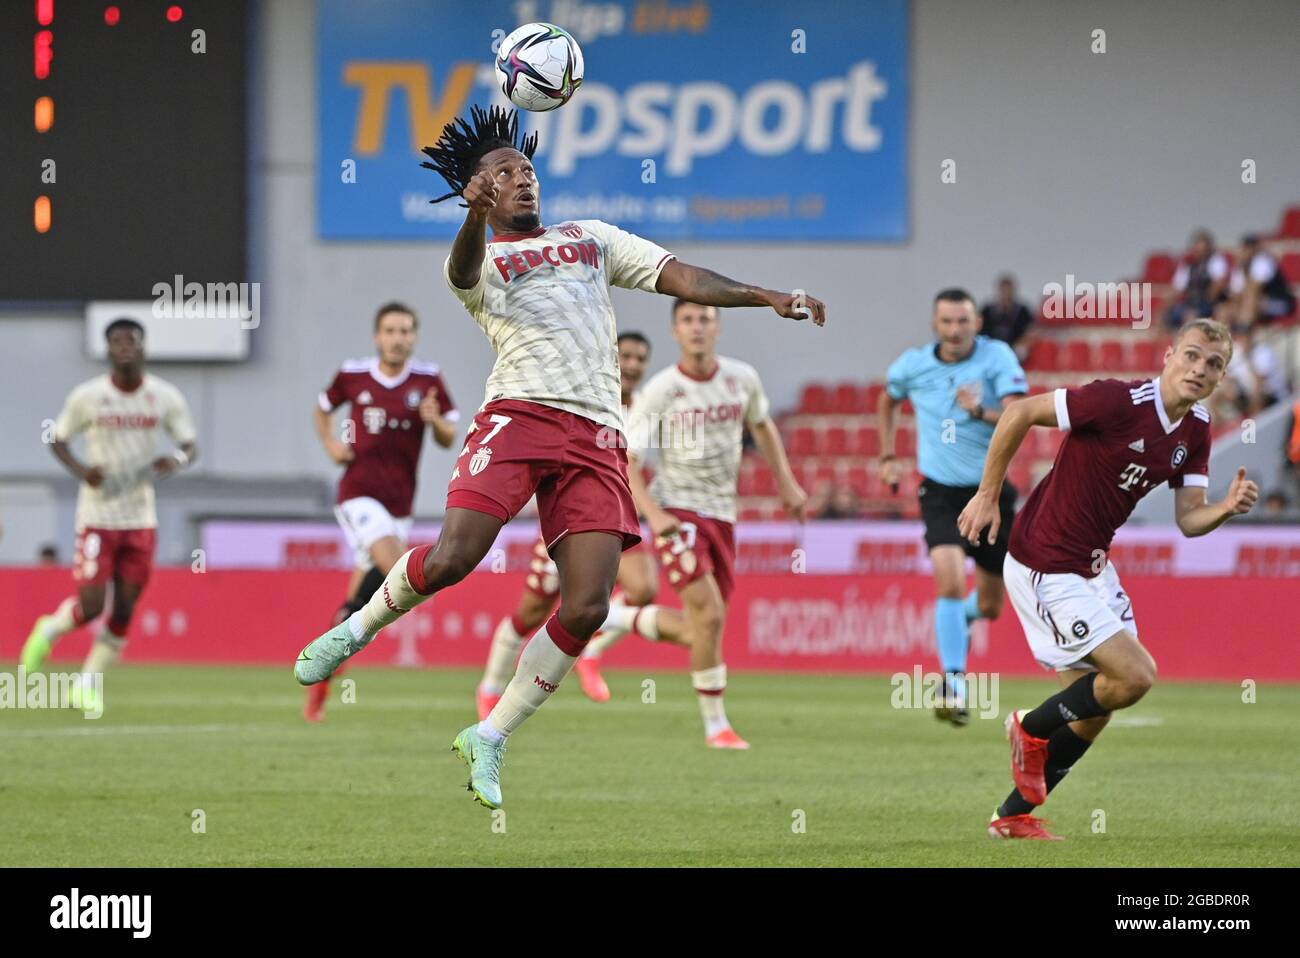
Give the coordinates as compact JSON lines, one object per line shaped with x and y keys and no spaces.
{"x":1291,"y":268}
{"x":803,"y":441}
{"x":815,"y":399}
{"x":872,"y":396}
{"x":868,"y":441}
{"x":1044,"y":356}
{"x":1146,"y":356}
{"x":836,"y":442}
{"x":1159,"y":269}
{"x":1290,"y":225}
{"x":764,"y":481}
{"x":1078,"y":356}
{"x":1113,"y":357}
{"x":858,"y":478}
{"x":905,"y":444}
{"x":847,"y":400}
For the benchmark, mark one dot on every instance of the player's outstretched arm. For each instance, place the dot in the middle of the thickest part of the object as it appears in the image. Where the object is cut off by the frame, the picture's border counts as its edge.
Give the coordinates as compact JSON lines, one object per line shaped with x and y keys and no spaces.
{"x":698,"y":285}
{"x":1196,"y":516}
{"x":662,"y":522}
{"x":1013,"y":425}
{"x":466,"y":261}
{"x":339,"y":451}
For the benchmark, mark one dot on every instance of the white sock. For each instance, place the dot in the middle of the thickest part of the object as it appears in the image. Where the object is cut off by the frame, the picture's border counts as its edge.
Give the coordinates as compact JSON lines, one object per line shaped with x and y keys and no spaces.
{"x":503,"y":654}
{"x":646,"y":622}
{"x":541,"y":668}
{"x":602,"y":641}
{"x":62,"y":621}
{"x":106,"y":650}
{"x":620,"y":617}
{"x":390,"y":602}
{"x":709,"y":685}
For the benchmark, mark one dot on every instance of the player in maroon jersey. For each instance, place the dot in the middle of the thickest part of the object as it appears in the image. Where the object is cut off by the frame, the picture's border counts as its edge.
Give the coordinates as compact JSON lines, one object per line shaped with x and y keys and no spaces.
{"x":1125,"y":439}
{"x":392,"y":397}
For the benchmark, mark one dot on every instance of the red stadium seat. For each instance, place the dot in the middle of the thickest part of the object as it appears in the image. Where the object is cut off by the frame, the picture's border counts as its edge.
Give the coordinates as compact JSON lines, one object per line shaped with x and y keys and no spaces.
{"x":858,"y":478}
{"x":868,"y":441}
{"x":1290,"y":224}
{"x":803,"y":441}
{"x":815,"y":399}
{"x":905,"y":444}
{"x":1159,"y":269}
{"x":1113,"y":357}
{"x":764,"y":480}
{"x":1078,"y":356}
{"x":1146,"y":356}
{"x":872,"y":396}
{"x":836,"y":442}
{"x":1044,"y":356}
{"x":847,"y":399}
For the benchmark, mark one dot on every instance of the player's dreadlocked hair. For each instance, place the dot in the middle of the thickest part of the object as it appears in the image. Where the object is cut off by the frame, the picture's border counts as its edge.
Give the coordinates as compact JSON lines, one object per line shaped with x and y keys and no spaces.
{"x":456,"y":154}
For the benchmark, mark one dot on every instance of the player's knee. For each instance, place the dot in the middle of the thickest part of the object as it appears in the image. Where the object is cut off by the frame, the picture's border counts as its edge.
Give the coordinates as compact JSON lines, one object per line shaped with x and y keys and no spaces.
{"x":446,"y":567}
{"x":585,"y":616}
{"x":707,"y":619}
{"x":990,"y":606}
{"x":91,"y":607}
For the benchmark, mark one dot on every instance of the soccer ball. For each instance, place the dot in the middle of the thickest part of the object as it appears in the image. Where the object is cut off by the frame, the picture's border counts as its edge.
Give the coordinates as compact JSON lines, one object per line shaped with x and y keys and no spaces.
{"x":539,"y":66}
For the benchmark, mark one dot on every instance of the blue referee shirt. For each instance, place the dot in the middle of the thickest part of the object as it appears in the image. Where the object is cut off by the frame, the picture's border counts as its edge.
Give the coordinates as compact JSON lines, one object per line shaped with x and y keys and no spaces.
{"x":932,"y":384}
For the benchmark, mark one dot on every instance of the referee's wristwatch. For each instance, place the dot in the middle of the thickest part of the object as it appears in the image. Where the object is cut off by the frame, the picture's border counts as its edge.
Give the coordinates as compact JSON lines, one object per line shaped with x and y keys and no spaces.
{"x":978,"y":412}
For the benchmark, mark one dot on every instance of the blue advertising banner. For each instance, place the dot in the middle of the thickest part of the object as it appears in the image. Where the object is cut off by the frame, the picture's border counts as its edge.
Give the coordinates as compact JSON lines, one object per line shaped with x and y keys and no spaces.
{"x":703,"y":119}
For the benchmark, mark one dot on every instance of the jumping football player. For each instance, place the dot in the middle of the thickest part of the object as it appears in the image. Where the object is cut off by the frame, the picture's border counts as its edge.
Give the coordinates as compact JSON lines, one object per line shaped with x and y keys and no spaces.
{"x":392,"y":397}
{"x":1125,"y":439}
{"x":121,"y":415}
{"x":959,"y":386}
{"x":638,"y":580}
{"x":695,"y":414}
{"x":541,"y":296}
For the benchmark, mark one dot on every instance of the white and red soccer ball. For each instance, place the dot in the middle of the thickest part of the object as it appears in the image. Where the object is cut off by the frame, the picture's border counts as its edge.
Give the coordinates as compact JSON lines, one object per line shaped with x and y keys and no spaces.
{"x":539,"y":66}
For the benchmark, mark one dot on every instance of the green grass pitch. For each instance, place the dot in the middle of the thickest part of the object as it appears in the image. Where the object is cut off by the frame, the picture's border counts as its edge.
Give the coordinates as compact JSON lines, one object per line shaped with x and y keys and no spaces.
{"x":1192,"y":776}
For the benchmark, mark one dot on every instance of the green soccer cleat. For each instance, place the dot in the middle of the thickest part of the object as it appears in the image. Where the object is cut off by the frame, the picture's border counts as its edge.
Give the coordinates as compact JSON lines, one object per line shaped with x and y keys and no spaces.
{"x":319,"y":660}
{"x":36,"y":648}
{"x":484,"y":761}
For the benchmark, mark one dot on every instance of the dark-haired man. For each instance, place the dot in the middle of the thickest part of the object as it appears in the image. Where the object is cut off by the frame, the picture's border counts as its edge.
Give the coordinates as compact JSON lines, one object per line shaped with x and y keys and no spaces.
{"x":552,"y":402}
{"x":392,"y":398}
{"x":121,"y":414}
{"x":958,"y":386}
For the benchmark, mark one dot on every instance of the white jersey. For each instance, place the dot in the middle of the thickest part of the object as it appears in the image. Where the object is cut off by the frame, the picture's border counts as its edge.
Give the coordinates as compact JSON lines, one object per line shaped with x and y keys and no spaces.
{"x":697,"y":425}
{"x":542,"y":298}
{"x":122,"y":439}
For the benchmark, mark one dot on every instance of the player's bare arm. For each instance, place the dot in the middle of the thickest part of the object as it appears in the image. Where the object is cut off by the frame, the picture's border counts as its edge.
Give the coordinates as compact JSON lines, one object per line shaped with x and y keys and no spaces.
{"x":1013,"y":425}
{"x":91,"y":475}
{"x":703,"y":286}
{"x":340,"y":452}
{"x":481,"y":193}
{"x":772,"y":449}
{"x":969,"y":400}
{"x":1196,"y":515}
{"x":444,"y":432}
{"x":891,"y":472}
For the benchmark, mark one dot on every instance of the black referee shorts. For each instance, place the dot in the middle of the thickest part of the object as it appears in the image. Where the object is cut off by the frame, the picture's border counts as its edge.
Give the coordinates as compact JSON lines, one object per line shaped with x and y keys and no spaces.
{"x":940,"y":507}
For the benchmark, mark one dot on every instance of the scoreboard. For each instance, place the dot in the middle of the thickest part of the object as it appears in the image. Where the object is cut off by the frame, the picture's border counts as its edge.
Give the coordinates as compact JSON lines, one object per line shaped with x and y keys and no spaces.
{"x":124,"y":145}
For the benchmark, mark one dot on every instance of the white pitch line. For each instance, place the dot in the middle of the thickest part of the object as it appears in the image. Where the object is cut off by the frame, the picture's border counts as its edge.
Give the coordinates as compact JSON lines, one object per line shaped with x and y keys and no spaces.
{"x":122,"y":730}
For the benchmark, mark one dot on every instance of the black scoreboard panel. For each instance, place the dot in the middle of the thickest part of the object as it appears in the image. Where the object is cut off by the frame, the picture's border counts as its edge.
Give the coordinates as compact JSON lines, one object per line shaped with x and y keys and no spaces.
{"x":148,"y":139}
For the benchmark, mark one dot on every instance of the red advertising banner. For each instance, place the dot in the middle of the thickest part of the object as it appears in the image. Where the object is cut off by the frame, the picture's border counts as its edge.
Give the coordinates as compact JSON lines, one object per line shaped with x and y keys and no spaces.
{"x":1229,"y":628}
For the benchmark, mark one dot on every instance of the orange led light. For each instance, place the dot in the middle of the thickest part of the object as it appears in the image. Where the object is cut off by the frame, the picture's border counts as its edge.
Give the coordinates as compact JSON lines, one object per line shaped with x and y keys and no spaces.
{"x":43,"y":215}
{"x":44,"y":113}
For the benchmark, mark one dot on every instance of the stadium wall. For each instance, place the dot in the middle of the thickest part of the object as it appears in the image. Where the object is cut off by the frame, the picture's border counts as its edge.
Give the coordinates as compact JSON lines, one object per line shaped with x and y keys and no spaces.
{"x":1095,"y":159}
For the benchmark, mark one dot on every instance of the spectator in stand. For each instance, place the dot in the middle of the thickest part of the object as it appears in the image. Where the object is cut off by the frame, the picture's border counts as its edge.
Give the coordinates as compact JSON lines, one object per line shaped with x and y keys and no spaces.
{"x":842,"y":504}
{"x":1200,"y":282}
{"x":49,"y":555}
{"x":1275,"y":506}
{"x":1256,"y":378}
{"x":1008,"y":319}
{"x":1261,"y":290}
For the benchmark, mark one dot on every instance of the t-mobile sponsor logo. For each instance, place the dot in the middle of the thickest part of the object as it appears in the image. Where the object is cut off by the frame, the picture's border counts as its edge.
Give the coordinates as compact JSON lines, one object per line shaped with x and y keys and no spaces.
{"x":76,"y":911}
{"x":544,"y":685}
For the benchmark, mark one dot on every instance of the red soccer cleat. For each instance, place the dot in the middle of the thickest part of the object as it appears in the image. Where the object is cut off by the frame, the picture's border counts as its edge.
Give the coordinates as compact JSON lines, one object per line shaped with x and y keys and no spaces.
{"x":728,"y":738}
{"x":486,"y":702}
{"x":593,"y":683}
{"x":1021,"y":826}
{"x":314,"y":710}
{"x":1028,"y":756}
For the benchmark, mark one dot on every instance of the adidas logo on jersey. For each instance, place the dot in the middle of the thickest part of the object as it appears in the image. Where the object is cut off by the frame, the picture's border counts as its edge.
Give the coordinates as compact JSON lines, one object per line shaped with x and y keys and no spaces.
{"x":1138,"y":446}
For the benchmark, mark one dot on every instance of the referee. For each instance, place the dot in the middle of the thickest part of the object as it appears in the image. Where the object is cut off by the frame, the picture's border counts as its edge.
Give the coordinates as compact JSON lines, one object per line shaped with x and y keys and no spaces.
{"x":958,"y":386}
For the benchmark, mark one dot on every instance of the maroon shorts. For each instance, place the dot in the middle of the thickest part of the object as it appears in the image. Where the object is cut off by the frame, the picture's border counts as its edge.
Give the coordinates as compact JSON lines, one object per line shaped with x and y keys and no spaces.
{"x":704,"y":546}
{"x":517,"y":448}
{"x":104,"y":554}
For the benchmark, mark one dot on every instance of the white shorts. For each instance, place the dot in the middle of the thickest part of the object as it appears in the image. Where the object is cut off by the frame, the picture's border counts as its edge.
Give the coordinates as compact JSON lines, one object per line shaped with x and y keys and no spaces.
{"x":1066,"y":616}
{"x":365,"y":521}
